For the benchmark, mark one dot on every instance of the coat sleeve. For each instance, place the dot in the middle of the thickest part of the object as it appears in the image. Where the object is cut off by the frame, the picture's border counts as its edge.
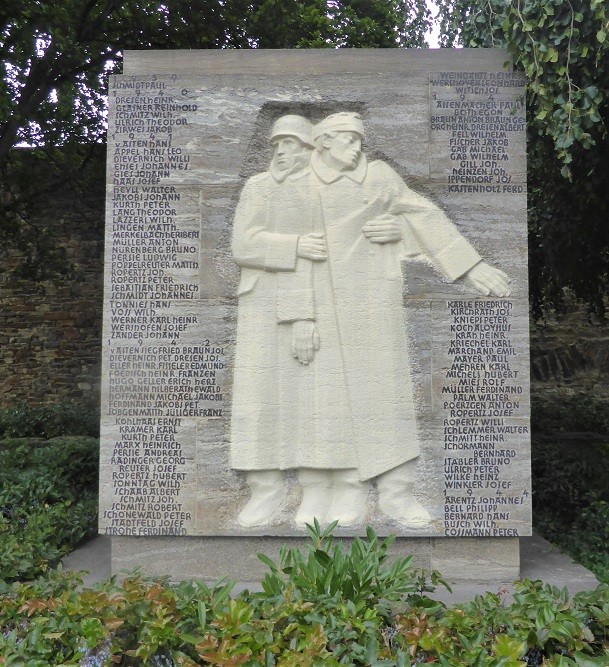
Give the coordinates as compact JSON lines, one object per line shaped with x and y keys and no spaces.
{"x":295,"y":296}
{"x":435,"y":235}
{"x":254,"y":244}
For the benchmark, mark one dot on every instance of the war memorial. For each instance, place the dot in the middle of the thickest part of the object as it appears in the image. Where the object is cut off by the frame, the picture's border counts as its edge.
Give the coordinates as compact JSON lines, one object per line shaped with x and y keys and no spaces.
{"x":315,"y":307}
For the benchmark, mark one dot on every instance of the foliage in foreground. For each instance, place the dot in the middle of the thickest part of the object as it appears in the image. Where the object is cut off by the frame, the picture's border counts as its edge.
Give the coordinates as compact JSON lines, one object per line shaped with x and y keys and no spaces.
{"x":326,"y":606}
{"x":570,"y":466}
{"x":48,"y":502}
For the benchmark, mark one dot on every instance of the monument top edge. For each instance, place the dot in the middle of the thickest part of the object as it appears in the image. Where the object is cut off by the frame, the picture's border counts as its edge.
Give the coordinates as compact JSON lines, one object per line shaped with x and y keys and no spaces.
{"x":312,"y":61}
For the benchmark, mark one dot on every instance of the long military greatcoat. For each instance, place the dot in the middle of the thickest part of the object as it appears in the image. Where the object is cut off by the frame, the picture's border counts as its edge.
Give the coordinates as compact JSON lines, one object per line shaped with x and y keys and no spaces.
{"x":352,"y":406}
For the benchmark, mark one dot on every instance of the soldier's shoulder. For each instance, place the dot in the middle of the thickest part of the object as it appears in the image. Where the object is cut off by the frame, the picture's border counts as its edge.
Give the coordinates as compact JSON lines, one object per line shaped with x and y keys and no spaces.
{"x":380,"y":169}
{"x":380,"y":166}
{"x":258,"y":178}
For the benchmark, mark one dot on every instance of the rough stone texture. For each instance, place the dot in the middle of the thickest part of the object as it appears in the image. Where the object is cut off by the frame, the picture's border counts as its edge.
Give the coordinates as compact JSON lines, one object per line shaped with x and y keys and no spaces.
{"x":571,"y":351}
{"x":51,"y":343}
{"x":538,"y":558}
{"x":541,"y":560}
{"x":50,"y":334}
{"x":223,"y":124}
{"x":477,"y":560}
{"x":312,"y":61}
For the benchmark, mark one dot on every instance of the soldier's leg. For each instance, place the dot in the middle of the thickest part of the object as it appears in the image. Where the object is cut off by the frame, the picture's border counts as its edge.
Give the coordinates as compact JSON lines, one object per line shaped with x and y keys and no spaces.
{"x":268,"y":493}
{"x":349,"y":497}
{"x":316,"y":494}
{"x":397,"y":499}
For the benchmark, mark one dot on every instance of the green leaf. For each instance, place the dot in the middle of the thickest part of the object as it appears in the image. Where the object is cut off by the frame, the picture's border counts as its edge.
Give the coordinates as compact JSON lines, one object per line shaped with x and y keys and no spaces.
{"x":322,"y":558}
{"x":591,"y":91}
{"x":582,"y":660}
{"x":508,"y":647}
{"x":202,"y":613}
{"x":268,"y":561}
{"x":372,"y":651}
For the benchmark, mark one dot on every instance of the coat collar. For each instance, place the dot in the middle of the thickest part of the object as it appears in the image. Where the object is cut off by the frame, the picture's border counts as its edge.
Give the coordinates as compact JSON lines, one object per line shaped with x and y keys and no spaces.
{"x":329,"y":175}
{"x":297,"y":171}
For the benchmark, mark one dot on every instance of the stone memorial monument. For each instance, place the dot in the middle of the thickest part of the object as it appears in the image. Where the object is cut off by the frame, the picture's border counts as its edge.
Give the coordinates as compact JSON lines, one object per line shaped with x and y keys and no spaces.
{"x":316,"y":307}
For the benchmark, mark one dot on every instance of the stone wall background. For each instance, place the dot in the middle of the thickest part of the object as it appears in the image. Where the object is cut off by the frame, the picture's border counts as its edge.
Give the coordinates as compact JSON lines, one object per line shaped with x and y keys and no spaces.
{"x":572,"y":351}
{"x":50,"y":335}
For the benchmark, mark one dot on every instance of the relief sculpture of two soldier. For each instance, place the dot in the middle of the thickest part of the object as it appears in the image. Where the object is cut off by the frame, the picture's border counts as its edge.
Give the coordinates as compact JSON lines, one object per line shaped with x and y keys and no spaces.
{"x":323,"y":381}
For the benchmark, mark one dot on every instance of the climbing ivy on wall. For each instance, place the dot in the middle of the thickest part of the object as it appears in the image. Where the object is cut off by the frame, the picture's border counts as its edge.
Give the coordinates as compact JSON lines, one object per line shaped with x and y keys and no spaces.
{"x":563,"y":47}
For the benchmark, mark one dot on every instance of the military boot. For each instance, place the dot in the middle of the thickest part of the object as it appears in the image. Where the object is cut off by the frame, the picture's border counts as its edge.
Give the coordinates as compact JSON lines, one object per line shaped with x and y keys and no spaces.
{"x":397,"y":499}
{"x":268,"y":494}
{"x":349,"y":498}
{"x":316,"y":496}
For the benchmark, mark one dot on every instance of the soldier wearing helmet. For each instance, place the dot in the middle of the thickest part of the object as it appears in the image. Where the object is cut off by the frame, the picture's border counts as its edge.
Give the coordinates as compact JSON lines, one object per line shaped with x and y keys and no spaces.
{"x":276,"y":243}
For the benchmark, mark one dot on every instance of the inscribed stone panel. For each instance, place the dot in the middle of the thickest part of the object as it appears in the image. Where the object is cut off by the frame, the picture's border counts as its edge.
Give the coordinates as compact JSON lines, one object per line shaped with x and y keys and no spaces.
{"x":370,"y":372}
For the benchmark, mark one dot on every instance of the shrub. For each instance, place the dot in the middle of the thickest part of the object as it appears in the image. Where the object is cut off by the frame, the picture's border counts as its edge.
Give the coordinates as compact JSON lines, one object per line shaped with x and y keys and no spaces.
{"x":569,"y":412}
{"x":571,"y":499}
{"x":541,"y":626}
{"x":49,"y":421}
{"x":347,"y":595}
{"x":570,"y":467}
{"x":567,"y":477}
{"x":48,"y":502}
{"x":314,"y":611}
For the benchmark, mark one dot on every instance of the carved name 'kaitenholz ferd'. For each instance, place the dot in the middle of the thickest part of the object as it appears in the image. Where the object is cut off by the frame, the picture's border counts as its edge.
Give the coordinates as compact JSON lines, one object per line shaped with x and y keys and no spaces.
{"x":322,"y":380}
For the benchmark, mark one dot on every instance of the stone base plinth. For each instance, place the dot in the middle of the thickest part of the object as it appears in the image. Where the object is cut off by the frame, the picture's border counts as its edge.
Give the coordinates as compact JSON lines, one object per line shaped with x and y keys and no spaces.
{"x":489,"y":560}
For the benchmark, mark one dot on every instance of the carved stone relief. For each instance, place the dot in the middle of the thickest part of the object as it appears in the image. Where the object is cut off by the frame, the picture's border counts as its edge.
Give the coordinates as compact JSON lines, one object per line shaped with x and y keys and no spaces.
{"x":320,"y":238}
{"x":307,"y":308}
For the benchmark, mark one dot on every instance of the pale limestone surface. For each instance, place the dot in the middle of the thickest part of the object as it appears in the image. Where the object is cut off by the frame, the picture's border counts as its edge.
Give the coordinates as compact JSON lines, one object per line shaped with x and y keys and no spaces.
{"x":181,"y":148}
{"x":321,"y":252}
{"x":313,"y":62}
{"x":538,"y":559}
{"x":489,"y":560}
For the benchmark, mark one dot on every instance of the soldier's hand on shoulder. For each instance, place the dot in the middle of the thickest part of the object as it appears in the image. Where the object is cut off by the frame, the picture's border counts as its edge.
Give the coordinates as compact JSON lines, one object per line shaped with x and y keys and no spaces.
{"x":312,"y":246}
{"x":384,"y":228}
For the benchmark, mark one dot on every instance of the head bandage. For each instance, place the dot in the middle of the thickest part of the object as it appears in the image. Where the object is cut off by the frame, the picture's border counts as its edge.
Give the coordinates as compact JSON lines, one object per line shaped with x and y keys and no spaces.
{"x":339,"y":122}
